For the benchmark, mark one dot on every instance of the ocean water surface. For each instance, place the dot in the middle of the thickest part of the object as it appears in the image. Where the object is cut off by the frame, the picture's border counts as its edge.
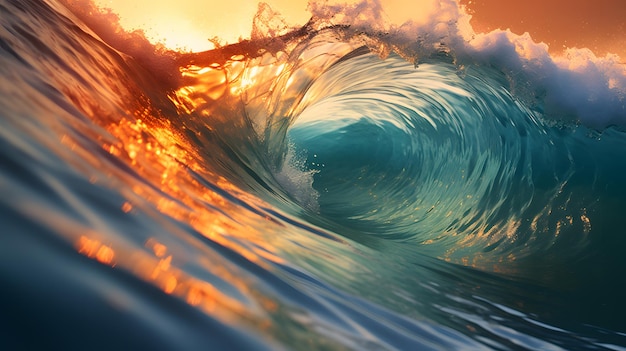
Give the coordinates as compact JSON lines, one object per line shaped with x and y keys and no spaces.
{"x":346,"y":185}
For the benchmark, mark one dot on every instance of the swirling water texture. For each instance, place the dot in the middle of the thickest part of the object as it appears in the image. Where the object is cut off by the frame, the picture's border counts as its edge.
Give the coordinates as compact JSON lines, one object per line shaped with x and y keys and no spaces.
{"x":449,"y":161}
{"x":136,"y":208}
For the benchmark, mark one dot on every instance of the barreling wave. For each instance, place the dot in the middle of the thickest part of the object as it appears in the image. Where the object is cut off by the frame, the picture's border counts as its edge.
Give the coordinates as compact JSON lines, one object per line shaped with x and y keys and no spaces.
{"x":479,"y":149}
{"x":455,"y":151}
{"x":326,"y":186}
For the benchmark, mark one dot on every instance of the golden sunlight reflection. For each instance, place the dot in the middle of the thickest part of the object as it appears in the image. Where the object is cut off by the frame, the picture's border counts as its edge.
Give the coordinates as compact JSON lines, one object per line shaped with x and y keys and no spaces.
{"x":158,"y":154}
{"x":210,"y":82}
{"x":161,"y":156}
{"x":160,"y":175}
{"x":95,"y":249}
{"x":270,"y":83}
{"x":168,"y":187}
{"x":155,"y":266}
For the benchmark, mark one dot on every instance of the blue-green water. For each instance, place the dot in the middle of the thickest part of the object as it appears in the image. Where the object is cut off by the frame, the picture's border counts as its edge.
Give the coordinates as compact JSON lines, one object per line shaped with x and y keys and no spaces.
{"x":327,"y":189}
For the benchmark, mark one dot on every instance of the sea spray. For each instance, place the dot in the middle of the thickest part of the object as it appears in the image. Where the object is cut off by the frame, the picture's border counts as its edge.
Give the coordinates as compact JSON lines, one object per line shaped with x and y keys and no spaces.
{"x":170,"y":194}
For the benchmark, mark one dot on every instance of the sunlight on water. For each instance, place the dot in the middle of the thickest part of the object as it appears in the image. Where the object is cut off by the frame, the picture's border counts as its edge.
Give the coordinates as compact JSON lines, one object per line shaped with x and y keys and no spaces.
{"x":155,"y":266}
{"x":349,"y":184}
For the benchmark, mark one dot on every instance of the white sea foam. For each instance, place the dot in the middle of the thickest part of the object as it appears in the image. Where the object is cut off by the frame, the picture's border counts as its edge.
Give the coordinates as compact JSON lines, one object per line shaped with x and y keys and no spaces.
{"x":296,"y":178}
{"x":575,"y":86}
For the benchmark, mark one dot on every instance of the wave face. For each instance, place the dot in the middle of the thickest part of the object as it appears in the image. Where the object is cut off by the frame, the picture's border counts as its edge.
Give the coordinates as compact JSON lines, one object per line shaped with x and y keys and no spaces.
{"x":339,"y":186}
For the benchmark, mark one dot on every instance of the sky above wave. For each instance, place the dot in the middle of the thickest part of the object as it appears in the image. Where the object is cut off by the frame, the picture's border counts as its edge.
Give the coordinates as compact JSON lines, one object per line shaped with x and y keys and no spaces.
{"x":598,"y":25}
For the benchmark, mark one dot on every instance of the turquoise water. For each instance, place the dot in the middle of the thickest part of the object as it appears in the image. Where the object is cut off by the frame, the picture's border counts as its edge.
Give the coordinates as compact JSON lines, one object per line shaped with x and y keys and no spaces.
{"x":333,"y":188}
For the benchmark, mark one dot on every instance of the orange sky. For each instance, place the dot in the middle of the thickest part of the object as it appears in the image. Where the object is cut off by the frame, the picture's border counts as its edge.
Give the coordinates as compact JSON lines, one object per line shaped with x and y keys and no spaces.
{"x":597,"y":24}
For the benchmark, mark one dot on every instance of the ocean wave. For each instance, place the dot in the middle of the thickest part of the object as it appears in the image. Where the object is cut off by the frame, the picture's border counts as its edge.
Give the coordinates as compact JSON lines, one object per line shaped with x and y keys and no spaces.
{"x":350,"y":184}
{"x":445,"y":149}
{"x":479,"y":148}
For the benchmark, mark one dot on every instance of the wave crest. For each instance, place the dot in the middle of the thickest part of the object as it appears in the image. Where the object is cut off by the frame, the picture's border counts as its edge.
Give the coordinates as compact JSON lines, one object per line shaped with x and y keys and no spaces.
{"x":464,"y":142}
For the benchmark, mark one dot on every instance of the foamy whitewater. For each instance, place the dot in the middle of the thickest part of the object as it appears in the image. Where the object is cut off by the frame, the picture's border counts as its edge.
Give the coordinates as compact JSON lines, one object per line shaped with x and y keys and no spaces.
{"x":352,"y":184}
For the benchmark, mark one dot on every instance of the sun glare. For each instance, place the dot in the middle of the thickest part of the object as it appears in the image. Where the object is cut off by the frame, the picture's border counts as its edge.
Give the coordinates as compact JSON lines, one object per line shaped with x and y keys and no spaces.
{"x":197,"y":25}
